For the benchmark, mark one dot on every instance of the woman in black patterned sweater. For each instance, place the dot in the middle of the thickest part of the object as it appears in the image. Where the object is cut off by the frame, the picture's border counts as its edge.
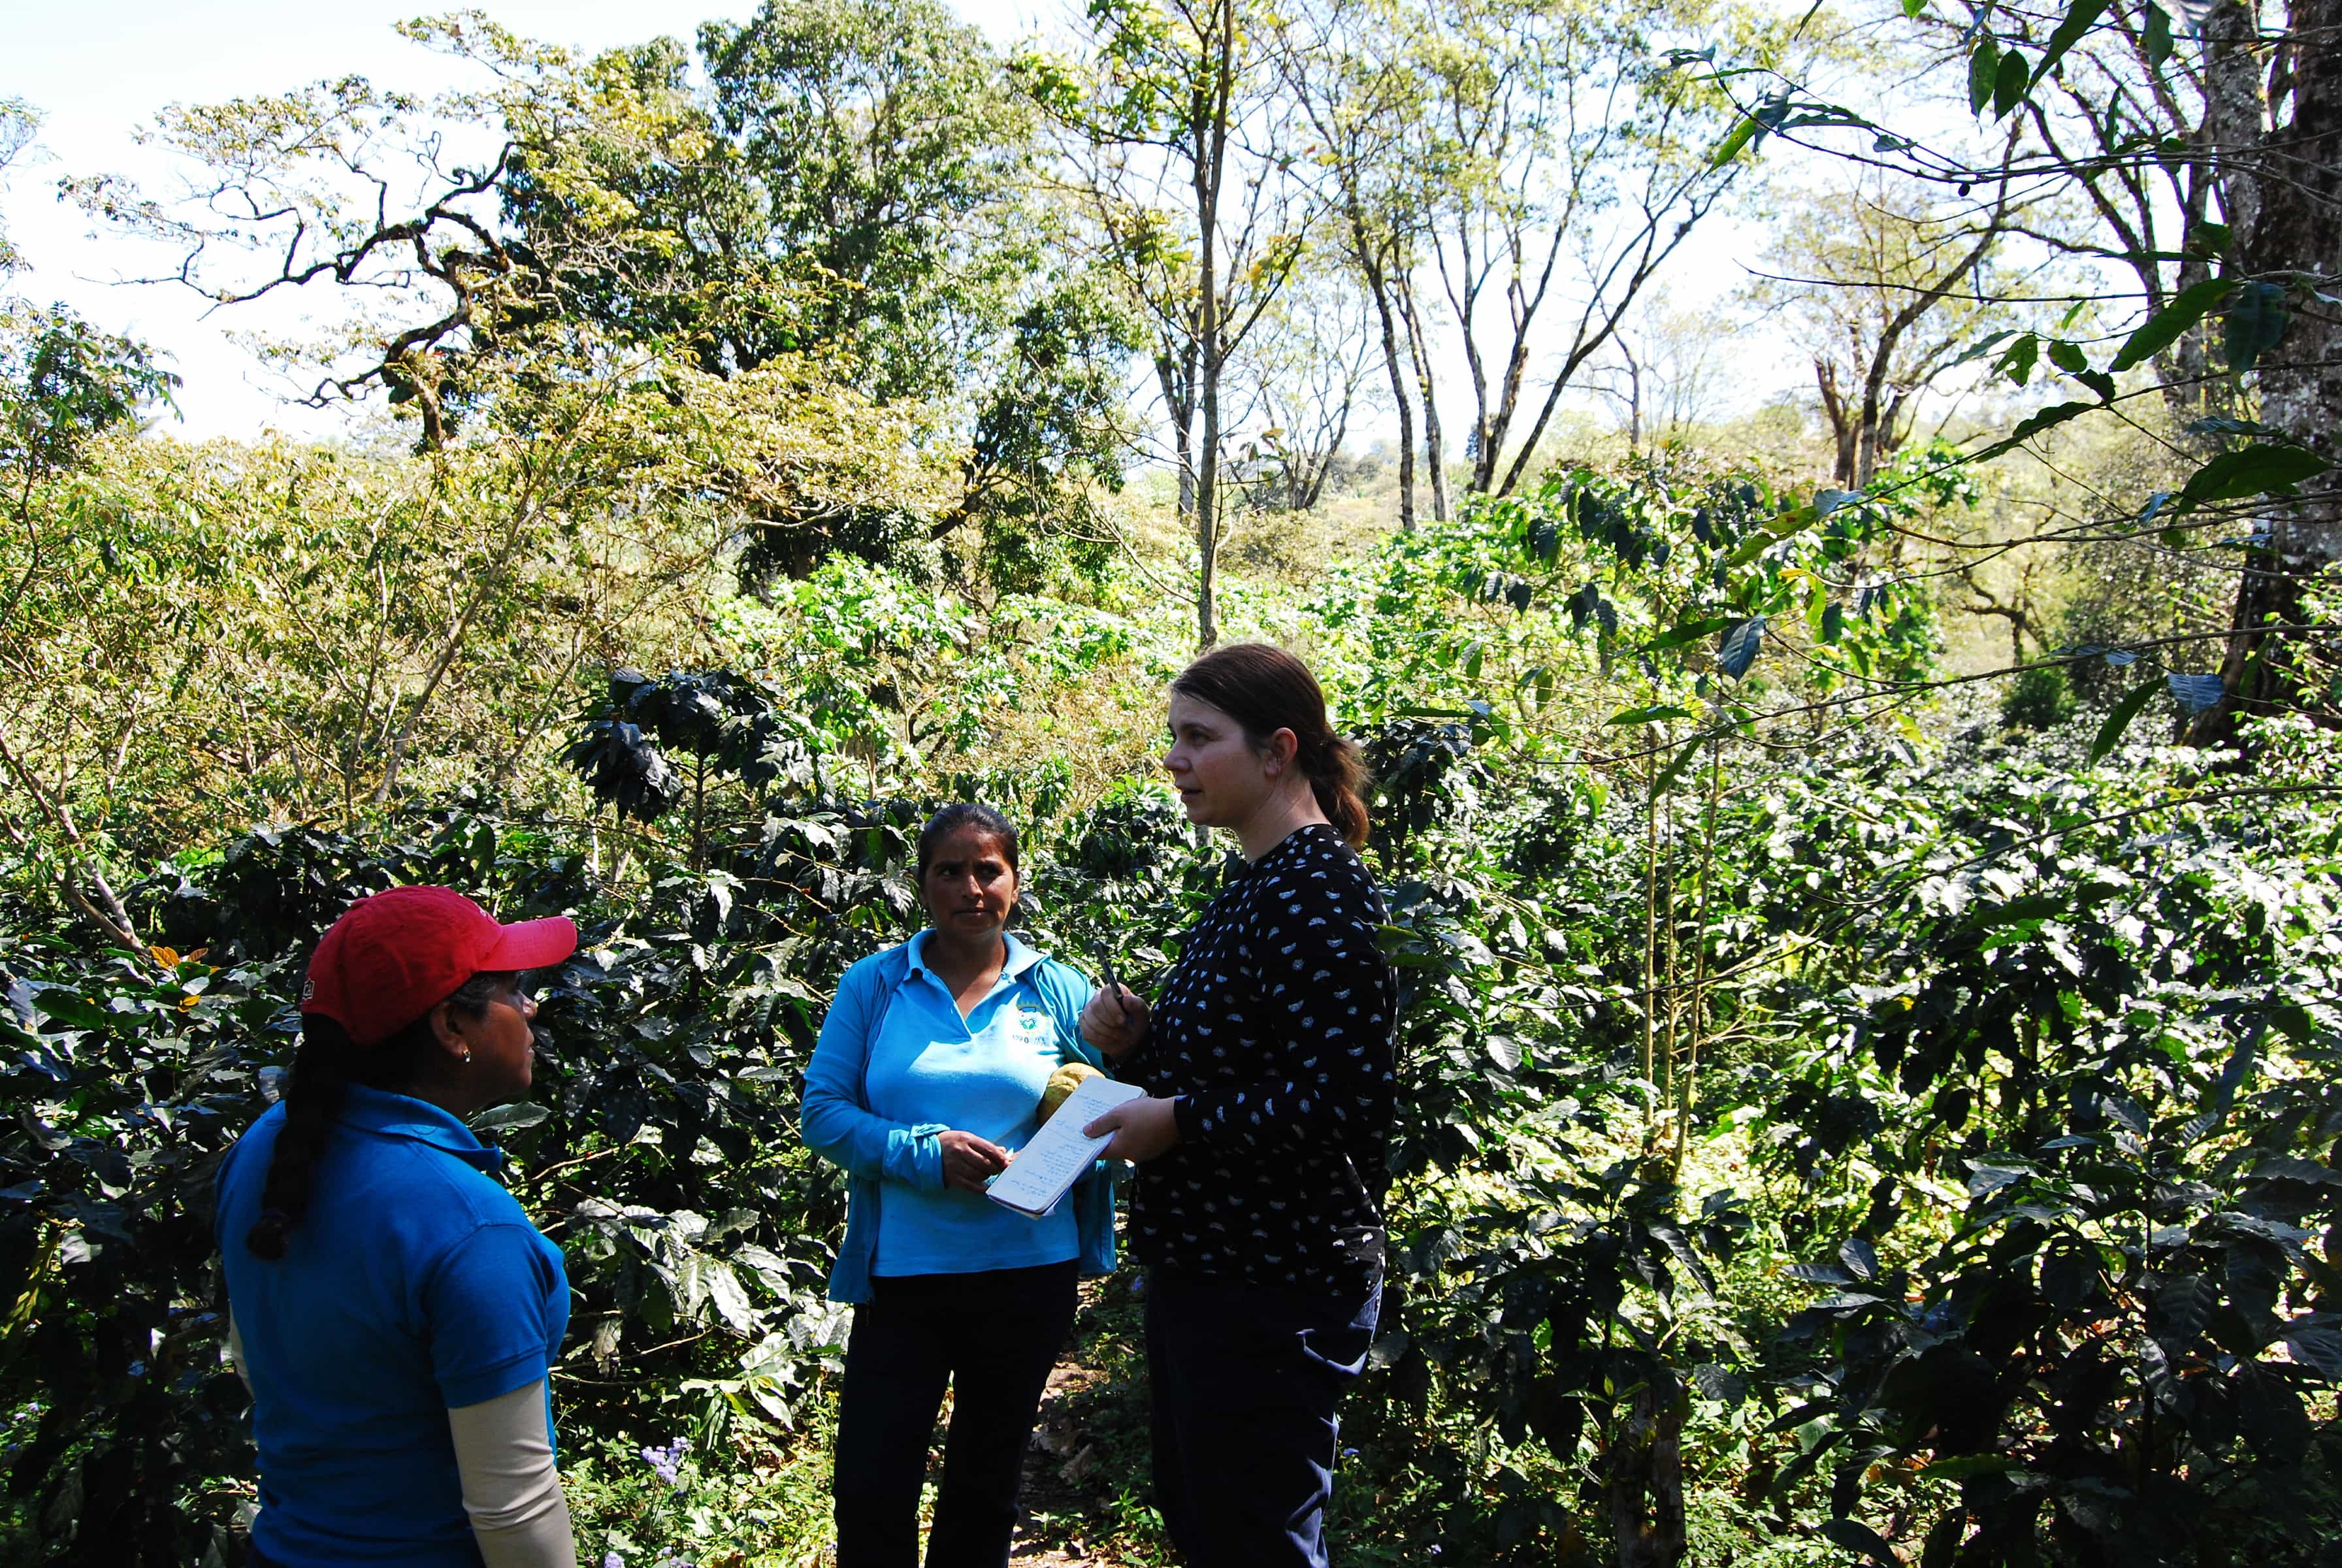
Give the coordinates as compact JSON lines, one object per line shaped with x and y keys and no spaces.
{"x":1262,"y":1143}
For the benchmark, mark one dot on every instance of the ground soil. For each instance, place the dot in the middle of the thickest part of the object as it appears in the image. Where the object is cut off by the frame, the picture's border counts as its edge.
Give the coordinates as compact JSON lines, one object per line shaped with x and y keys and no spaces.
{"x":1084,"y":1501}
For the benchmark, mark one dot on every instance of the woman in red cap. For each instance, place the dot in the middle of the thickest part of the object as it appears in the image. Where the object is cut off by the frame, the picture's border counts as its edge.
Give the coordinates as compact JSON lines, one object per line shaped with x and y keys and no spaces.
{"x":393,"y":1310}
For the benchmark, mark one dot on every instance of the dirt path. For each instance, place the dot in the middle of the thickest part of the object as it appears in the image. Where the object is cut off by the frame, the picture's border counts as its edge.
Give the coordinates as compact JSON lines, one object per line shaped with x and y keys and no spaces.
{"x":1086,"y":1469}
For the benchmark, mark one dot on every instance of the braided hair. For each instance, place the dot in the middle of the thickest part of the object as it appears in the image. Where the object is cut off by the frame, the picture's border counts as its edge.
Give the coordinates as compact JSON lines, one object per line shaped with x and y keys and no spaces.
{"x":328,"y":1063}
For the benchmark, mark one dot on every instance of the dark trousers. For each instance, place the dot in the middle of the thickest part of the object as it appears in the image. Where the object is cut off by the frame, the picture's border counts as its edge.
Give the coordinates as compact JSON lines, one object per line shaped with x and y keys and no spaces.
{"x":994,"y":1337}
{"x":1245,"y":1378}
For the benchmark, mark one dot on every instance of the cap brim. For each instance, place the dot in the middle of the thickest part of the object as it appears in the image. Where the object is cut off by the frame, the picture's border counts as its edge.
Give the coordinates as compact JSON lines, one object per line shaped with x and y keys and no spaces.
{"x":533,"y":945}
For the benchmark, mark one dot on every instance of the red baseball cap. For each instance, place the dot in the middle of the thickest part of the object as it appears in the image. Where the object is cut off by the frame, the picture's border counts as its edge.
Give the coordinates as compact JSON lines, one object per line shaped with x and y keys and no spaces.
{"x":393,"y":957}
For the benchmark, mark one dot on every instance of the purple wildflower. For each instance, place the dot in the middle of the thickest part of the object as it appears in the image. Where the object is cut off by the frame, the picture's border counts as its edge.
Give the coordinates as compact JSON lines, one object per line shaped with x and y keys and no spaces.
{"x":668,"y":1462}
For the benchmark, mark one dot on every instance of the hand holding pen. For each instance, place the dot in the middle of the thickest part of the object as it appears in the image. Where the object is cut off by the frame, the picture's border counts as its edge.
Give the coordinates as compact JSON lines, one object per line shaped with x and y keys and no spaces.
{"x":1115,"y":1019}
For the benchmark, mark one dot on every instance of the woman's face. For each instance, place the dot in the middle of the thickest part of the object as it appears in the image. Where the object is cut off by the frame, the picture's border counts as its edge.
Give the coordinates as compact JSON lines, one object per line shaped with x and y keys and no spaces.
{"x":1221,"y":779}
{"x":969,"y":888}
{"x":503,"y":1046}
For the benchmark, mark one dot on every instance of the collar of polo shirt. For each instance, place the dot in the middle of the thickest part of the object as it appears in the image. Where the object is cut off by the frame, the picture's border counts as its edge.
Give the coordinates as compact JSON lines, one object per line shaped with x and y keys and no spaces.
{"x":1020,"y":957}
{"x":389,"y":1115}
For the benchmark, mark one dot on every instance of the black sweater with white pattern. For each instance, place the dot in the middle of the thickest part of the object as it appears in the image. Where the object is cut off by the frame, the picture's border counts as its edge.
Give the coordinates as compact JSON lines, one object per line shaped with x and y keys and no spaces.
{"x":1276,"y":1028}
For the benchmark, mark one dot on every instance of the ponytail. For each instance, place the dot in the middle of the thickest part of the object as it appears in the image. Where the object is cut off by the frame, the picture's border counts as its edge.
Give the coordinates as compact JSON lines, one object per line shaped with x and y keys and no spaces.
{"x":1339,"y":779}
{"x":1265,"y":689}
{"x":328,"y":1063}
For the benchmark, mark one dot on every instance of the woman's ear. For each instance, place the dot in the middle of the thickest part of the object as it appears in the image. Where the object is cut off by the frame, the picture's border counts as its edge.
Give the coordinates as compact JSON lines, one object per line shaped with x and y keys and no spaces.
{"x":1277,"y":755}
{"x":446,"y":1028}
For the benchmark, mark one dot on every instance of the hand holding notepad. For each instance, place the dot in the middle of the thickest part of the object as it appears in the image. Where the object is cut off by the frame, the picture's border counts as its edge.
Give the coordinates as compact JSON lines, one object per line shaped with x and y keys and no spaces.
{"x":1044,"y":1169}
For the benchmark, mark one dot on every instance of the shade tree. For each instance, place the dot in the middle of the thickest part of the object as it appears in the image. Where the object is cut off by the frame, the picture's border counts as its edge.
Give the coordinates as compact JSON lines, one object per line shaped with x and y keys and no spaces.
{"x":580,"y":214}
{"x":1309,"y":369}
{"x":1180,"y":145}
{"x":1665,"y":368}
{"x":2259,"y":495}
{"x":1887,"y":284}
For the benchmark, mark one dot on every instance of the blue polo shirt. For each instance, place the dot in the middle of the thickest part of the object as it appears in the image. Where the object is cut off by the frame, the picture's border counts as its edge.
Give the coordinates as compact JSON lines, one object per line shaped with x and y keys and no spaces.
{"x":984,"y":1074}
{"x":414,"y":1286}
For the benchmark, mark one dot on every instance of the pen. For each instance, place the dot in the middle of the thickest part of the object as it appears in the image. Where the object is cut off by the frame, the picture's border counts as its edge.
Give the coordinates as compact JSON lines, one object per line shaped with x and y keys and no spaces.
{"x":1113,"y":983}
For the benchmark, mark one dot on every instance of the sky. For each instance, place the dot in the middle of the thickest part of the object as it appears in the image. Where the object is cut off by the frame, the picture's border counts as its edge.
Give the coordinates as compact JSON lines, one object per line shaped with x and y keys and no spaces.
{"x":99,"y":70}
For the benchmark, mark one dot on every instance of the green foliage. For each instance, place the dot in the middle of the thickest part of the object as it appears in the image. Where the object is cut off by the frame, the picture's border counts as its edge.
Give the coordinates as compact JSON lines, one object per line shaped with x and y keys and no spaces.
{"x":62,"y":385}
{"x":127,"y":1077}
{"x":1659,"y":1043}
{"x":716,"y":1512}
{"x":2110,"y":1061}
{"x":1668,"y":575}
{"x":812,"y":252}
{"x":852,"y":186}
{"x":2039,"y":698}
{"x":658,"y":1153}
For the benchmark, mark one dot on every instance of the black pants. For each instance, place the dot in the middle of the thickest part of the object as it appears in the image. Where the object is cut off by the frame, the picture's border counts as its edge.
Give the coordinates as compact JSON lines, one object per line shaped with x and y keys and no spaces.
{"x":994,"y":1337}
{"x":1245,"y":1378}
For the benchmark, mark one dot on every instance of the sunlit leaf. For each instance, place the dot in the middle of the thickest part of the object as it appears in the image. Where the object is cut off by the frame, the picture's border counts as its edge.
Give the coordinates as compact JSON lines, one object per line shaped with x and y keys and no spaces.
{"x":1984,"y":69}
{"x":2263,"y":468}
{"x":2009,"y":85}
{"x":2080,"y":17}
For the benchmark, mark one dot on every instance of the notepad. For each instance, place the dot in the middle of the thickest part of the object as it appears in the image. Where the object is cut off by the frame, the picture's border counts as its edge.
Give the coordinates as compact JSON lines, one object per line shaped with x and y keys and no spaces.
{"x":1059,"y":1155}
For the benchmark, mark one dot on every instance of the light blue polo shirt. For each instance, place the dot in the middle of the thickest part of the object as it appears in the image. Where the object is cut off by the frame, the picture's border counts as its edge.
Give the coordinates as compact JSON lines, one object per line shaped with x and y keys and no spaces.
{"x":983,"y":1074}
{"x":414,"y":1286}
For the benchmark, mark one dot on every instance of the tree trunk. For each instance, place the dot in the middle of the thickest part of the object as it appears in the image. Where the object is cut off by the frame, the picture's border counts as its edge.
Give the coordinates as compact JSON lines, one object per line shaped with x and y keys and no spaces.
{"x":1206,"y":513}
{"x":1434,"y":452}
{"x":1841,"y":422}
{"x":1406,"y":451}
{"x":1377,"y":279}
{"x":1177,"y":377}
{"x":1634,"y":396}
{"x":1643,"y":1479}
{"x":1871,"y":428}
{"x":1210,"y":118}
{"x":2300,"y":155}
{"x":1882,"y":435}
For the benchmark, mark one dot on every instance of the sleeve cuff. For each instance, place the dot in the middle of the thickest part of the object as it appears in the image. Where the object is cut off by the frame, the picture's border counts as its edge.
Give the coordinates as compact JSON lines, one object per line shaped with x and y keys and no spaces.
{"x":926,"y":1142}
{"x":1189,"y":1117}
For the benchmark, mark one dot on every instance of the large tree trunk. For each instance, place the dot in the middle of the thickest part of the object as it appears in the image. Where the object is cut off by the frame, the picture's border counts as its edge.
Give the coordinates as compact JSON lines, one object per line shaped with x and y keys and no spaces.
{"x":2287,"y":181}
{"x":1642,"y":1481}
